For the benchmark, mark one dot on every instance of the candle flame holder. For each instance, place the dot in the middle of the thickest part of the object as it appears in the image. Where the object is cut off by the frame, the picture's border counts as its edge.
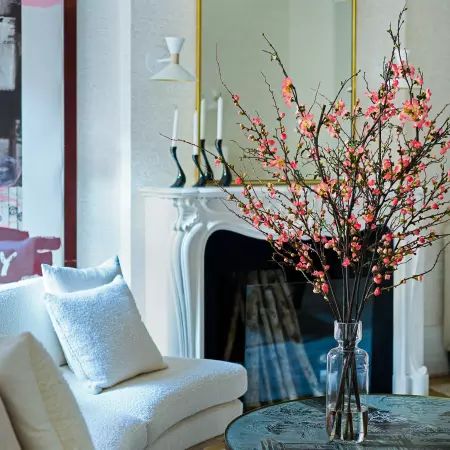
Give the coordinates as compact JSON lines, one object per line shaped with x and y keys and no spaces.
{"x":180,"y":181}
{"x":225,"y":180}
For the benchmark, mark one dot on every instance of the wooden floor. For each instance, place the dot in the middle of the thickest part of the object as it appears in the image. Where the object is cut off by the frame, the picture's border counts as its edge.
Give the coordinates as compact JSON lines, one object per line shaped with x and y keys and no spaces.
{"x":439,"y":387}
{"x":213,"y":444}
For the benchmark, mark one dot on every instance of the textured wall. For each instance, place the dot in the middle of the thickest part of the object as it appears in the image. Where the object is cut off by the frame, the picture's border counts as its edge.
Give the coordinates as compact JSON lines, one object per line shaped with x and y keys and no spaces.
{"x":427,"y":35}
{"x":424,"y":36}
{"x":101,"y":142}
{"x":120,"y":116}
{"x":152,"y":105}
{"x":121,"y":113}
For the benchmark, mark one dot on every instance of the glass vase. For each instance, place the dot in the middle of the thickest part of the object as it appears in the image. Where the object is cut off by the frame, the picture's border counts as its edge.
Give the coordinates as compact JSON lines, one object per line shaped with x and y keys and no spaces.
{"x":347,"y":385}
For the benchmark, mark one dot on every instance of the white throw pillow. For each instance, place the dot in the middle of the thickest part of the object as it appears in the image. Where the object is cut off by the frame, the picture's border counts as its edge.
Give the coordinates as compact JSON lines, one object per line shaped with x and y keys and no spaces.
{"x":102,"y":335}
{"x":8,"y":437}
{"x":58,"y":280}
{"x":42,"y":409}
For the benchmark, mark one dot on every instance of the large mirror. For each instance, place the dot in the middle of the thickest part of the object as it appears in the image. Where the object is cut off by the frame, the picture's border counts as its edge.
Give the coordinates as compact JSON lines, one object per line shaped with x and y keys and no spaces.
{"x":315,"y":39}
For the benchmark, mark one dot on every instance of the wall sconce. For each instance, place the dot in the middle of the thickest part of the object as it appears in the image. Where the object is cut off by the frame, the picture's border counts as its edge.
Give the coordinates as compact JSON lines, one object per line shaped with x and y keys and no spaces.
{"x":173,"y":71}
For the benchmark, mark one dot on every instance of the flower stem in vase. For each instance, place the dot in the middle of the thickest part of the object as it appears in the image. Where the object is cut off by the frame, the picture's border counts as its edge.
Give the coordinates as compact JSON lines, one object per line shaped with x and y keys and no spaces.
{"x":347,"y":382}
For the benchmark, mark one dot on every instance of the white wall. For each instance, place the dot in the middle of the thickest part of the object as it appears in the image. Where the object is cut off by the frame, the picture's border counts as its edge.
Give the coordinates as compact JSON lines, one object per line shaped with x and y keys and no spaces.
{"x":119,"y":145}
{"x":426,"y":35}
{"x":121,"y":114}
{"x":152,"y":104}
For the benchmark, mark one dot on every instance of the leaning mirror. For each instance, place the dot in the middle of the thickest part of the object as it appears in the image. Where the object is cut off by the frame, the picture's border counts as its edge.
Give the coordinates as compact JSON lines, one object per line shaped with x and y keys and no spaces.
{"x":315,"y":39}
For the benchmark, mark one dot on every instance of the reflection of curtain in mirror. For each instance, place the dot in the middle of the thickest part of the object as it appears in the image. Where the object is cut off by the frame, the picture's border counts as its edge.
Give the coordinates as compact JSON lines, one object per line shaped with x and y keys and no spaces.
{"x":31,"y":136}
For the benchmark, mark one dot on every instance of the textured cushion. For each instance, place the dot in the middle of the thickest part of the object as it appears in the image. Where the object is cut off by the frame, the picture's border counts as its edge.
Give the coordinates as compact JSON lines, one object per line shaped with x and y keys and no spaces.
{"x":8,"y":437}
{"x":23,"y":309}
{"x":142,"y":409}
{"x":58,"y":280}
{"x":41,"y":407}
{"x":102,"y":334}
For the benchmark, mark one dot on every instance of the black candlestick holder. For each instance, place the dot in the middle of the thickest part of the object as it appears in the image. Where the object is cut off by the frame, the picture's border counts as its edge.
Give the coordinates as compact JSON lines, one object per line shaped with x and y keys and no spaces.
{"x":209,"y":173}
{"x":225,"y":180}
{"x":180,"y":181}
{"x":201,"y":175}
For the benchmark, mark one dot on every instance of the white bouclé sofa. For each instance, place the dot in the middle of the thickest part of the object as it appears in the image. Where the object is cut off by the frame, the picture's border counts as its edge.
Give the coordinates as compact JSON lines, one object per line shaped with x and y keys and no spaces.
{"x":172,"y":409}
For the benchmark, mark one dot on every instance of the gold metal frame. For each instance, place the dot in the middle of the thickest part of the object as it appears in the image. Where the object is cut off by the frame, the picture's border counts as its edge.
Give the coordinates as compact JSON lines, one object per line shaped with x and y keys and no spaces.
{"x":198,"y":63}
{"x":354,"y":43}
{"x":198,"y":60}
{"x":354,"y":66}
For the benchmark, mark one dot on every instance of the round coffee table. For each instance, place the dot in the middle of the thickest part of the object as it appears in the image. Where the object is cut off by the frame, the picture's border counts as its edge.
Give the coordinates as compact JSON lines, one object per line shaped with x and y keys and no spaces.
{"x":395,"y":422}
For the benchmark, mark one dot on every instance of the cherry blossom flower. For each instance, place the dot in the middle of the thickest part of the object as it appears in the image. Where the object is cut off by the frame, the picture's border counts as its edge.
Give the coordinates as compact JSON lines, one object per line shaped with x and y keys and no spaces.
{"x":307,"y":125}
{"x":414,"y":111}
{"x":286,"y":90}
{"x":346,"y":262}
{"x":278,"y":162}
{"x":444,"y":148}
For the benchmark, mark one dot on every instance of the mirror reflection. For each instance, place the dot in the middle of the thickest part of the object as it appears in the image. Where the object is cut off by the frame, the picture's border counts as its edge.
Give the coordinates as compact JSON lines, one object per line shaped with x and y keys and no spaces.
{"x":313,"y":38}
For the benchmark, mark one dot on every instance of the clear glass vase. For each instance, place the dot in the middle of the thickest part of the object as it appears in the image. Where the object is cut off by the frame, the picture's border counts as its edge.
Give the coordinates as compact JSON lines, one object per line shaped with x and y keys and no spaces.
{"x":347,"y":385}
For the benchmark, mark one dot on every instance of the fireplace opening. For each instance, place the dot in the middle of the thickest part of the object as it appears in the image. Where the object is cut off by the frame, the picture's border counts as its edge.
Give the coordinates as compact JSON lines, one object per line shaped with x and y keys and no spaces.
{"x":268,"y":319}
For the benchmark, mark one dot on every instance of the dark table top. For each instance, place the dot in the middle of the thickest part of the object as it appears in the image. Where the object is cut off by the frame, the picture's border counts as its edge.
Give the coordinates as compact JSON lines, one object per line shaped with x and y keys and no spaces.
{"x":395,"y":422}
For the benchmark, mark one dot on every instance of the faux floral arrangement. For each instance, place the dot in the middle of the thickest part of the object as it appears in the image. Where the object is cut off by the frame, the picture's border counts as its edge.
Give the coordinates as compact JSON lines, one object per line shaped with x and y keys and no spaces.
{"x":380,"y":192}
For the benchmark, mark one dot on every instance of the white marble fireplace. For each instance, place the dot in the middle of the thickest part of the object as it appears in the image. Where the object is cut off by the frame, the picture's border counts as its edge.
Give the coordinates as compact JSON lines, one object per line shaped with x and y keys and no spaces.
{"x":178,"y":225}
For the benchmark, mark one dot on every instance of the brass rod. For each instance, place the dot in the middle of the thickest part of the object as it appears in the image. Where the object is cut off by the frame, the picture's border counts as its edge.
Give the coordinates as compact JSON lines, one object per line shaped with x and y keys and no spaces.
{"x":354,"y":66}
{"x":198,"y":69}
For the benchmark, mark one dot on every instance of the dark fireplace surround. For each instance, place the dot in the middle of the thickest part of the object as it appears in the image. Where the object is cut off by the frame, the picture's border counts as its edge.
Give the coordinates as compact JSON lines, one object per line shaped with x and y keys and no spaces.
{"x":236,"y":265}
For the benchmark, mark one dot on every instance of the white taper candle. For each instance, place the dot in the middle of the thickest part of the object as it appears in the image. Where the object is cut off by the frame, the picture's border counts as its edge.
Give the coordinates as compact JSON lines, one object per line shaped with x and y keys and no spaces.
{"x":203,"y":119}
{"x":219,"y":118}
{"x":195,"y":133}
{"x":175,"y":128}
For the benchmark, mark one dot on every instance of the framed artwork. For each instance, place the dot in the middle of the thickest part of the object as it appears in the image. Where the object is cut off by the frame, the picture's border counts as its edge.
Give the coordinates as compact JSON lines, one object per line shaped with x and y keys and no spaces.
{"x":37,"y":152}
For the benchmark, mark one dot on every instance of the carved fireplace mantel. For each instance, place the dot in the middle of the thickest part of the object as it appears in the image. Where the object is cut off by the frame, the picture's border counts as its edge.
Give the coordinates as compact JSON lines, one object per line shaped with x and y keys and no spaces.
{"x":178,"y":225}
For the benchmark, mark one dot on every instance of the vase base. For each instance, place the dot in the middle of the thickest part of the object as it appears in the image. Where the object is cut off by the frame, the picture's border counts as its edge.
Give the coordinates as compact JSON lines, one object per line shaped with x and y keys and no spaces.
{"x":347,"y":425}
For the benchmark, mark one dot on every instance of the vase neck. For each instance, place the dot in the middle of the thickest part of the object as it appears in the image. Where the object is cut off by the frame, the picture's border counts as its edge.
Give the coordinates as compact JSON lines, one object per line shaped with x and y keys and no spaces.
{"x":348,"y":334}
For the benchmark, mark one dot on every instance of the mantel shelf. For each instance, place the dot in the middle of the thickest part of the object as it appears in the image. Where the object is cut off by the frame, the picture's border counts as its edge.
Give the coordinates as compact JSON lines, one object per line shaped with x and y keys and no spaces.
{"x":194,"y":192}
